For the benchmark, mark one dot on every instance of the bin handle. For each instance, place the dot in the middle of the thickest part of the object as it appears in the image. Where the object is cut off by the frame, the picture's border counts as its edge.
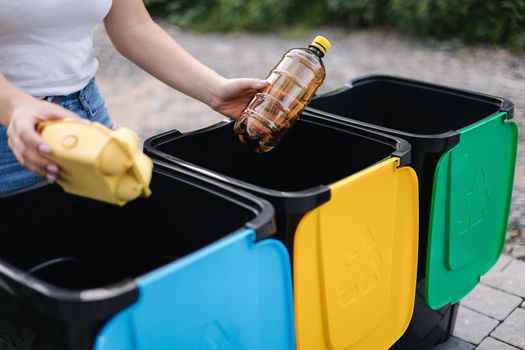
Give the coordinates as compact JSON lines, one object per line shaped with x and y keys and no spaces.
{"x":160,"y":139}
{"x":174,"y":134}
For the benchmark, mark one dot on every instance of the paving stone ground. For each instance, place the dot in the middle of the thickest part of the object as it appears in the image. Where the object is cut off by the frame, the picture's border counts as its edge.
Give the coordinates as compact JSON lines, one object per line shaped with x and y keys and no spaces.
{"x":492,"y":316}
{"x":454,"y":343}
{"x":490,"y":343}
{"x":511,"y":279}
{"x":491,"y":302}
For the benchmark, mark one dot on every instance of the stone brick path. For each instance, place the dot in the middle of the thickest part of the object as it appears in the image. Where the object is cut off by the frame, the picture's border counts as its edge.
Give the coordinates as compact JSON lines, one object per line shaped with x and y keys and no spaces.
{"x":492,"y":316}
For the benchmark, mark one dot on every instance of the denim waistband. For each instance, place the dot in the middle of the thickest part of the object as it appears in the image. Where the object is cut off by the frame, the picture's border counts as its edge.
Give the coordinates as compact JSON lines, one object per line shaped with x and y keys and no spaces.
{"x":82,"y":94}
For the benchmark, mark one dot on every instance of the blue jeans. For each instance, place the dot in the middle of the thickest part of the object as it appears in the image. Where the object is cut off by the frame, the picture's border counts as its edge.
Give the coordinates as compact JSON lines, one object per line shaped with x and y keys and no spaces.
{"x":88,"y":103}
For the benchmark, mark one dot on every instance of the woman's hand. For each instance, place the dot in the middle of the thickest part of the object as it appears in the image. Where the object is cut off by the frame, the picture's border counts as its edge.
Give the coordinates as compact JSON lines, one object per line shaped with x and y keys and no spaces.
{"x":24,"y":139}
{"x":233,"y":95}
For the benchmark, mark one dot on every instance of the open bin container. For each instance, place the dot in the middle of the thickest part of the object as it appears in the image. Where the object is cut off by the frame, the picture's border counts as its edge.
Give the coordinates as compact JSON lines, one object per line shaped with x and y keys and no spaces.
{"x":191,"y":267}
{"x":346,"y":204}
{"x":464,"y":152}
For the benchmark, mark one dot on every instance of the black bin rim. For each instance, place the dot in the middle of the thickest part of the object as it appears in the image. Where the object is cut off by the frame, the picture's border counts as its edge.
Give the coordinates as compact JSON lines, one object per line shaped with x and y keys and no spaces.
{"x":290,"y":202}
{"x":102,"y":302}
{"x":439,"y":142}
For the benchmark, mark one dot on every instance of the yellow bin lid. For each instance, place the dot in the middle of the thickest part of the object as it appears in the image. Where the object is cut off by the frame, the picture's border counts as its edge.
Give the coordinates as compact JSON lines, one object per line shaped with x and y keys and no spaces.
{"x":98,"y":162}
{"x":355,"y":262}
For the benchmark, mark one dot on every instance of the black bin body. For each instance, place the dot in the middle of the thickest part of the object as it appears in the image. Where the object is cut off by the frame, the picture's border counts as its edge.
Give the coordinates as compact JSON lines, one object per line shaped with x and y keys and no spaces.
{"x":333,"y":181}
{"x":69,"y":264}
{"x":430,"y":118}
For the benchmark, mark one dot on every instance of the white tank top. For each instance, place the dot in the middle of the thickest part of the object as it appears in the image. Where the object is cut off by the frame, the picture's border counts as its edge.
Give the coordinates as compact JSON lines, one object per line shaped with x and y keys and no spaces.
{"x":46,"y":46}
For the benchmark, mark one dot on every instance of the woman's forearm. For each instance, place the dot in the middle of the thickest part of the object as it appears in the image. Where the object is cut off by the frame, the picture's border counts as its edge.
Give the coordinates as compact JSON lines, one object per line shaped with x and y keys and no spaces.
{"x":140,"y":39}
{"x":152,"y":49}
{"x":10,"y":96}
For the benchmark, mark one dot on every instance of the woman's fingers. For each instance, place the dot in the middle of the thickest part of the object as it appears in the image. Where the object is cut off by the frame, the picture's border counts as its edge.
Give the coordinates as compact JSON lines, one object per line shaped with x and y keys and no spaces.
{"x":27,"y":144}
{"x":250,"y":84}
{"x":41,"y":165}
{"x":232,"y":96}
{"x":30,"y":149}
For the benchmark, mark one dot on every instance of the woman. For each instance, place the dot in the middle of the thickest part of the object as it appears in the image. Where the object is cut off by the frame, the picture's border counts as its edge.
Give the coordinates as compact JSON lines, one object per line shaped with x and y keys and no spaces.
{"x":47,"y":70}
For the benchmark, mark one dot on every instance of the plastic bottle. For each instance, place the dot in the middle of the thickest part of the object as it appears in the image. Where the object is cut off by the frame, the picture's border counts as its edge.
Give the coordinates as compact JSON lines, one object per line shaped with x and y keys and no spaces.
{"x":97,"y":162}
{"x":293,"y":83}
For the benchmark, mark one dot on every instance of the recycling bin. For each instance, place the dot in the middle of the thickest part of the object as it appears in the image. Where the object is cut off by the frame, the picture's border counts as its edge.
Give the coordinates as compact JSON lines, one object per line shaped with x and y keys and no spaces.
{"x":192,"y":267}
{"x":464,"y":153}
{"x":346,"y":206}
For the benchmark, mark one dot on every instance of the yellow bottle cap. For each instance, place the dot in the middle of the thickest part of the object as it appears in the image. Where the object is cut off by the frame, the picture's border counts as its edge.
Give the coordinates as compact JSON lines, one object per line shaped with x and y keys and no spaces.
{"x":321,"y":43}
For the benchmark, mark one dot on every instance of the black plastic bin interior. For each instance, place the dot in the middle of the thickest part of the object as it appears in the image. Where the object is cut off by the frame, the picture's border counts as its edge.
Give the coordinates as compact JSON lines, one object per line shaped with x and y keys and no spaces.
{"x":407,"y":106}
{"x":55,"y":246}
{"x":427,"y":116}
{"x":294,"y":176}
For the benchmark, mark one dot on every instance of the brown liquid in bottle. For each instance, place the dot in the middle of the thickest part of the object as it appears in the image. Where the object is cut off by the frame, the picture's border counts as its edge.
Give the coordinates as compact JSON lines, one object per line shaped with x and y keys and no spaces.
{"x":293,"y":83}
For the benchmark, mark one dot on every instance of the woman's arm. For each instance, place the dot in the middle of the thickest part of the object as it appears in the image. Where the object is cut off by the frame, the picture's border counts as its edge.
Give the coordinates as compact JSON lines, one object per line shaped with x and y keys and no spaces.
{"x":21,"y":113}
{"x":140,"y":39}
{"x":9,"y":98}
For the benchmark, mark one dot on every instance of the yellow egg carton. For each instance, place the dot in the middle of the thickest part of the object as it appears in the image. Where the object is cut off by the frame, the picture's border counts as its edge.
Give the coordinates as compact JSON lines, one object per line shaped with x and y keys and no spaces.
{"x":98,"y":162}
